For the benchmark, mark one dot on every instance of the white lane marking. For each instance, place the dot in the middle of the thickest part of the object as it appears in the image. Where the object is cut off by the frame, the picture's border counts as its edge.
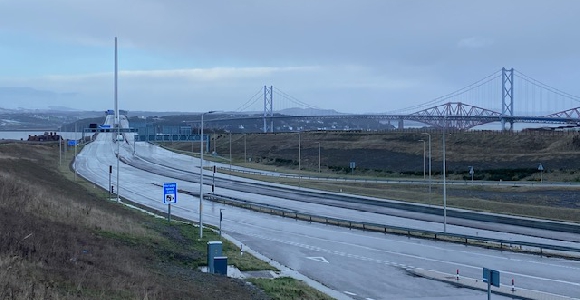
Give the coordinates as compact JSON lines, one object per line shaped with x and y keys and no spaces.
{"x":422,"y":245}
{"x":541,"y":278}
{"x":363,"y":258}
{"x":526,"y":261}
{"x":350,"y":293}
{"x":318,"y":258}
{"x":370,"y":299}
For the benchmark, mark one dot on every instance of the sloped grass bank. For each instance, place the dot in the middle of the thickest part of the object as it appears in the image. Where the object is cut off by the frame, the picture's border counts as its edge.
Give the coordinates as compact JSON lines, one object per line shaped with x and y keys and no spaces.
{"x":59,"y":241}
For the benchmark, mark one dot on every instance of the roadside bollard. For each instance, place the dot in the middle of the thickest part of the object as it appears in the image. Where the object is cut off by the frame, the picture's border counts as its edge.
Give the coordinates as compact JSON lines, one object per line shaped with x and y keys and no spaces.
{"x":457,"y":278}
{"x":513,"y":286}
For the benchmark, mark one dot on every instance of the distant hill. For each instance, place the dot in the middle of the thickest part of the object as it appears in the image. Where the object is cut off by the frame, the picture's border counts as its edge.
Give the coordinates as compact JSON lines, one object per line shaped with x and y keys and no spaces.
{"x":297,"y":111}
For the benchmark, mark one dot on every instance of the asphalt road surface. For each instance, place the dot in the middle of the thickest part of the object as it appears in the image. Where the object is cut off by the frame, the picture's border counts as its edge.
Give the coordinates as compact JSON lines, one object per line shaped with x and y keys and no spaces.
{"x":353,"y":264}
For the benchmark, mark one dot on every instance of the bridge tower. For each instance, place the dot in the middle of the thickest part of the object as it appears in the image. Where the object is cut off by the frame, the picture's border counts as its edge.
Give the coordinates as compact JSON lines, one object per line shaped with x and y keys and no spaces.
{"x":507,"y":95}
{"x":268,"y":111}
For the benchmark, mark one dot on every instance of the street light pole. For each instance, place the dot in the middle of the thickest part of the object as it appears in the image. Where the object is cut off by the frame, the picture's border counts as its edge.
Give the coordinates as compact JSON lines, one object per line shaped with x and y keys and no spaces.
{"x":444,"y":181}
{"x":318,"y":157}
{"x":298,"y":151}
{"x":230,"y":152}
{"x":75,"y":159}
{"x":118,"y":123}
{"x":424,"y":172}
{"x":245,"y":158}
{"x":429,"y":163}
{"x":201,"y":175}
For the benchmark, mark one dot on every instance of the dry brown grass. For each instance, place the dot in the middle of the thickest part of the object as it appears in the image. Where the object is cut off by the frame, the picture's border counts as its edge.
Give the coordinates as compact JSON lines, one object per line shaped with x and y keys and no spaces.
{"x":394,"y":153}
{"x":59,"y":241}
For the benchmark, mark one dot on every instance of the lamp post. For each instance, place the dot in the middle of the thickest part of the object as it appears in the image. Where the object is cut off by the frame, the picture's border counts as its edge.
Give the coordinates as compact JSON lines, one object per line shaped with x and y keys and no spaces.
{"x":117,"y":122}
{"x":298,"y":151}
{"x":75,"y":159}
{"x":444,"y":180}
{"x":318,"y":157}
{"x":245,"y":158}
{"x":230,"y":153}
{"x":429,"y":163}
{"x":424,"y":172}
{"x":201,"y":174}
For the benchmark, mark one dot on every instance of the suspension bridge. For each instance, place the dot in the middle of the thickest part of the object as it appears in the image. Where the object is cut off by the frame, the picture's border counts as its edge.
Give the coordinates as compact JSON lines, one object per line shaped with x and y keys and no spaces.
{"x":489,"y":100}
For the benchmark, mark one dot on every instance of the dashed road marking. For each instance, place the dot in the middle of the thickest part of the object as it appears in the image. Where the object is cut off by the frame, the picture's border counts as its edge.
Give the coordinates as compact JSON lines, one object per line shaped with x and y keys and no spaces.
{"x":349,"y":293}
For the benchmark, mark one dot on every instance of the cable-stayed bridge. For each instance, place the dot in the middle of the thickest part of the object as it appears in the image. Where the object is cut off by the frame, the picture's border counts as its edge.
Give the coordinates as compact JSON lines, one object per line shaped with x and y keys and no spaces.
{"x":489,"y":100}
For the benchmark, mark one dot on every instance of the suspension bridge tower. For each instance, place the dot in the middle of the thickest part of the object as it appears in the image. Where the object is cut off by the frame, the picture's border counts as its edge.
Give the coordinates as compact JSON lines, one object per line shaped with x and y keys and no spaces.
{"x":268,"y":111}
{"x":507,"y":97}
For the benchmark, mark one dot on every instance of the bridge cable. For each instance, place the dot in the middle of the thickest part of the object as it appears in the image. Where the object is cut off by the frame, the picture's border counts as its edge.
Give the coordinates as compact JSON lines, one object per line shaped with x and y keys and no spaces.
{"x":293,"y":99}
{"x":250,"y":101}
{"x":552,"y":89}
{"x":458,"y":92}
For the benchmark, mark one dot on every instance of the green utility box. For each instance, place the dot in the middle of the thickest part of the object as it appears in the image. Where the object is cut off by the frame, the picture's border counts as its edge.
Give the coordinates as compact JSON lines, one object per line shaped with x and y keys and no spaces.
{"x":220,"y":265}
{"x":214,"y":249}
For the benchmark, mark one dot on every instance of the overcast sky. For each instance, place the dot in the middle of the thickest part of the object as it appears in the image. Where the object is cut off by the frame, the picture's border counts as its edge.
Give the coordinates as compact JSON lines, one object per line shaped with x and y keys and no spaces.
{"x":353,"y":56}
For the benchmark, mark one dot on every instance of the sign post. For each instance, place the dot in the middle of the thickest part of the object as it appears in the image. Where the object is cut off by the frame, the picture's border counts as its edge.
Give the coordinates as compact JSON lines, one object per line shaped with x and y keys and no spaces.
{"x":352,"y":167}
{"x":110,"y":186}
{"x":492,"y":278}
{"x":471,"y":172}
{"x":221,"y":218}
{"x":169,"y":196}
{"x":213,"y":179}
{"x":541,"y":169}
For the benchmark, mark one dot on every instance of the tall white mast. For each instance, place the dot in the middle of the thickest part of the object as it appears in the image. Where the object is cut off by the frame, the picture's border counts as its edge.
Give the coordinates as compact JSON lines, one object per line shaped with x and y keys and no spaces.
{"x":117,"y":123}
{"x":116,"y":103}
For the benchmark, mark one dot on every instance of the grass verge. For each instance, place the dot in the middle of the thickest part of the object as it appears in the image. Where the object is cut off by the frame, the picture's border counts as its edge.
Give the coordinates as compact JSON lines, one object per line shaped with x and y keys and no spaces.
{"x":286,"y":288}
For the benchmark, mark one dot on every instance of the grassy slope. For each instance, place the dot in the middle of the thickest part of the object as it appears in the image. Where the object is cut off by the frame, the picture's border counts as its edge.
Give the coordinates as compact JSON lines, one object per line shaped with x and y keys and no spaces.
{"x":63,"y":240}
{"x":391,"y":153}
{"x":58,"y":241}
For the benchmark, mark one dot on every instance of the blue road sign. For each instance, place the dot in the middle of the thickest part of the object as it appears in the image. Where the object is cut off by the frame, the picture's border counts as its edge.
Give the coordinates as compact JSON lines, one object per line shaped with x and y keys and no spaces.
{"x":72,"y":142}
{"x":169,"y":193}
{"x":491,"y":276}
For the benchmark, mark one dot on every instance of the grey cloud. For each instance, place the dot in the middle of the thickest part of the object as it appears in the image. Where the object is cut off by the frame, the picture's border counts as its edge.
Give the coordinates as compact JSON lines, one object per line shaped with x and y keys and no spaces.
{"x":427,"y":48}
